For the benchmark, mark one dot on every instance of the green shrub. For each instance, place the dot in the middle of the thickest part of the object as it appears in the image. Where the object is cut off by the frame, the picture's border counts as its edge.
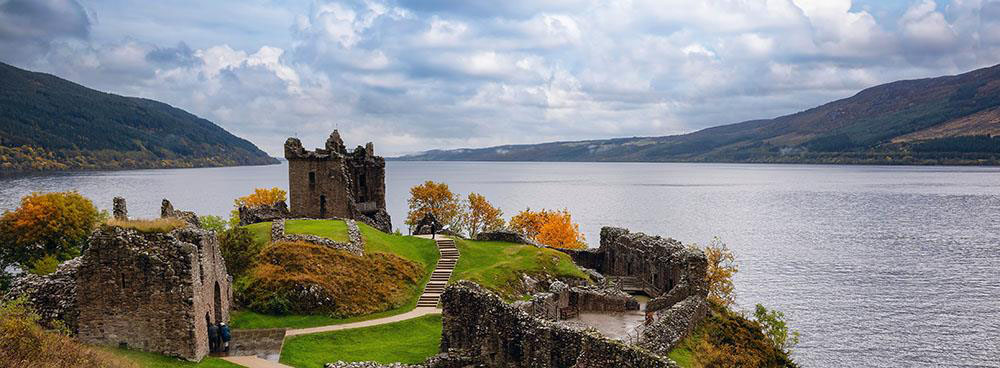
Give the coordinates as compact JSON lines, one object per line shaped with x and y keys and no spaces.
{"x":214,"y":223}
{"x":44,"y":266}
{"x":776,"y":328}
{"x":729,"y":339}
{"x":239,"y":250}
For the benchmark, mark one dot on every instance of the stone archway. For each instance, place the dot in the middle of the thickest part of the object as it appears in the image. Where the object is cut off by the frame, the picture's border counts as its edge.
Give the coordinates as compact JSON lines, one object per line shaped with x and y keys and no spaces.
{"x":218,"y":303}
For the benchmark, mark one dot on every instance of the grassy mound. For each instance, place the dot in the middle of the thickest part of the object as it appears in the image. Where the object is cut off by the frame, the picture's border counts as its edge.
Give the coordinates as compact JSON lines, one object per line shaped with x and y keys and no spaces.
{"x":335,"y":230}
{"x":411,"y":341}
{"x":418,"y":250}
{"x":729,"y":339}
{"x":302,"y":278}
{"x":499,"y":266}
{"x":23,"y":343}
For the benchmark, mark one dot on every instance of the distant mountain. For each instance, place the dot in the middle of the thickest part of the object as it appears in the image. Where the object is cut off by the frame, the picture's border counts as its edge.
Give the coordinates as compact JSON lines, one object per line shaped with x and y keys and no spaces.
{"x":48,"y":123}
{"x":945,"y":120}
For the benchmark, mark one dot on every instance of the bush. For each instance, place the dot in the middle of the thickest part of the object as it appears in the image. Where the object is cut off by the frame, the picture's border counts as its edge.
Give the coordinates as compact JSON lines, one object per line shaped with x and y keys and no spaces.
{"x":776,"y":328}
{"x":214,"y":223}
{"x":44,"y":266}
{"x":729,"y":339}
{"x":239,"y":250}
{"x":49,"y":224}
{"x":303,"y":278}
{"x":160,"y":225}
{"x":25,"y":344}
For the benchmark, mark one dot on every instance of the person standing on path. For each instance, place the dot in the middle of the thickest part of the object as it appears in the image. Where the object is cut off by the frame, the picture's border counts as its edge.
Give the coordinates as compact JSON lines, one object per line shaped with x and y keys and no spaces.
{"x":226,"y":336}
{"x":213,"y":338}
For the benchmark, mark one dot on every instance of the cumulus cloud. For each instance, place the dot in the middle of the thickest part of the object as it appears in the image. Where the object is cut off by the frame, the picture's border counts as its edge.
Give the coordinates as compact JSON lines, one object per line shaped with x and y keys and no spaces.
{"x":415,"y":75}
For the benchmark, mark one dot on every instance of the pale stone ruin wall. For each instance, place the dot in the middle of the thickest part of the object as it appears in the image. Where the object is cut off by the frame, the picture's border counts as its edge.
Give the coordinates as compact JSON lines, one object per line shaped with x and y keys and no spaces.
{"x":52,"y":296}
{"x":563,"y":302}
{"x":152,"y":292}
{"x":670,"y":273}
{"x":480,"y":325}
{"x":257,"y":214}
{"x":332,"y":182}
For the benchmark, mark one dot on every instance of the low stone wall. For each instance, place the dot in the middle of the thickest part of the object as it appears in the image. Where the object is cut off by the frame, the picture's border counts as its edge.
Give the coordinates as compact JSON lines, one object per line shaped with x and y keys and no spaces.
{"x":167,"y":210}
{"x":52,"y":296}
{"x":257,"y":214}
{"x":264,"y":343}
{"x":480,"y":325}
{"x":563,"y":302}
{"x":355,"y":244}
{"x":505,"y":235}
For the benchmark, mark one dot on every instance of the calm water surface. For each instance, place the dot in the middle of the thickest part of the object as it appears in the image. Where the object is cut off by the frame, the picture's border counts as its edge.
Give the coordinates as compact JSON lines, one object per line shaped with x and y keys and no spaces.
{"x":876,"y":266}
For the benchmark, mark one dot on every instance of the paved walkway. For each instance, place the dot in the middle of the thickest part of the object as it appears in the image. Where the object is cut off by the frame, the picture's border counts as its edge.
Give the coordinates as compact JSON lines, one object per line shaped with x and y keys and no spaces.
{"x":426,"y":304}
{"x":254,"y":362}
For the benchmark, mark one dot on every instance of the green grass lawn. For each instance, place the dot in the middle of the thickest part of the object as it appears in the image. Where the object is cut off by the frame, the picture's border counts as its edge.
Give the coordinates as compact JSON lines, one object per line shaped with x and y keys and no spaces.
{"x":419,"y":250}
{"x":497,"y":265}
{"x":261,"y":232}
{"x":335,"y":230}
{"x":411,"y":341}
{"x":153,"y":360}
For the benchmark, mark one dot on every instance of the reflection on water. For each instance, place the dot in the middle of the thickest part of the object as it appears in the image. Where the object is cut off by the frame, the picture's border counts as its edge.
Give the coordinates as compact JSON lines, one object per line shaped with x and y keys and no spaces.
{"x":876,"y":266}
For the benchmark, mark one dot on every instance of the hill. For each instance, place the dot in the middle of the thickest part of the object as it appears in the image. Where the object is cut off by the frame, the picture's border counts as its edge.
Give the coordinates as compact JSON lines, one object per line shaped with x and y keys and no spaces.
{"x":49,"y":123}
{"x":944,"y":120}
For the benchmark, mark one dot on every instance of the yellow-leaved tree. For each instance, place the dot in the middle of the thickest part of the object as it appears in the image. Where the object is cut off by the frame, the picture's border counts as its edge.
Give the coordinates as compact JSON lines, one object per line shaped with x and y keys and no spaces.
{"x":480,"y":216}
{"x":719,"y":275}
{"x":259,"y":197}
{"x":435,"y":198}
{"x":46,"y":225}
{"x":552,"y":228}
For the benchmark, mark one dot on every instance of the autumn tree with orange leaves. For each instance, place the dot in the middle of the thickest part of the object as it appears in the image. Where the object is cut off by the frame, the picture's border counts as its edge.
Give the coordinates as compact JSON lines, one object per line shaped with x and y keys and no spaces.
{"x":259,"y":197}
{"x":480,"y":216}
{"x":552,"y":228}
{"x":435,"y":198}
{"x":46,"y":225}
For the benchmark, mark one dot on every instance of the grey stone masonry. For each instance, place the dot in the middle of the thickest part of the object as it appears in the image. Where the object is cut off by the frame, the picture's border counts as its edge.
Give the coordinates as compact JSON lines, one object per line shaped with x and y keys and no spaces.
{"x":119,"y":210}
{"x":154,"y":292}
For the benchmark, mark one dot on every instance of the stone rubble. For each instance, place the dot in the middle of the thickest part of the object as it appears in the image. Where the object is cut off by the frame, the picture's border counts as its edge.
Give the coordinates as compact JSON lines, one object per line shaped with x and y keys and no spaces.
{"x":265,"y":213}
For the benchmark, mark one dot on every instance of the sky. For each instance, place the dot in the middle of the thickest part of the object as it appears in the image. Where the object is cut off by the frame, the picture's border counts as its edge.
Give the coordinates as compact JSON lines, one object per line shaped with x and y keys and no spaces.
{"x":413,"y":75}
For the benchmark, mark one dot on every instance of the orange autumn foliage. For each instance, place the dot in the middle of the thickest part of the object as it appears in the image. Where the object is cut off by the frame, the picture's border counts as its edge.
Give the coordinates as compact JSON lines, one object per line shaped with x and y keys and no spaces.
{"x":435,"y":198}
{"x":47,"y":224}
{"x":262,"y":197}
{"x":480,"y":216}
{"x":552,"y":228}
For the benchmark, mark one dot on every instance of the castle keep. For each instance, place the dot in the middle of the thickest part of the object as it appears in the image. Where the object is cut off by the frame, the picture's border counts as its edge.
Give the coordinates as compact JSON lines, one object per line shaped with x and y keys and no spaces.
{"x":335,"y":183}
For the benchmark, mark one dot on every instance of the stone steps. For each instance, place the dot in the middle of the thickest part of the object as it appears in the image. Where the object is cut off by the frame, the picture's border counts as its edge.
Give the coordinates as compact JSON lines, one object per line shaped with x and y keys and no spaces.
{"x":441,"y":274}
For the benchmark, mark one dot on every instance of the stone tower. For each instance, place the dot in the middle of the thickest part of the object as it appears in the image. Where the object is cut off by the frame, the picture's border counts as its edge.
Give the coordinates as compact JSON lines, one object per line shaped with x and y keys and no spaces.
{"x":332,"y":182}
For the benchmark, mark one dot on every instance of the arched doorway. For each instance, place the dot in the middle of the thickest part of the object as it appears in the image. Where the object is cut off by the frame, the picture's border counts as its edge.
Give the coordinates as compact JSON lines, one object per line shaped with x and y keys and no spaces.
{"x":218,"y":303}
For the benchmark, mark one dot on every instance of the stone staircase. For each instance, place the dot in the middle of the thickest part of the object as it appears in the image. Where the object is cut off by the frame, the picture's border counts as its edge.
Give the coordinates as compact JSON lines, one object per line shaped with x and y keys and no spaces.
{"x":441,"y":274}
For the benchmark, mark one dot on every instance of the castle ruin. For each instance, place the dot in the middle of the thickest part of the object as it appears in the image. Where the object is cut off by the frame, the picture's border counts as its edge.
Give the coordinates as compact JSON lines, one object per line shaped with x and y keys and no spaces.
{"x":334,"y":183}
{"x":150,"y":291}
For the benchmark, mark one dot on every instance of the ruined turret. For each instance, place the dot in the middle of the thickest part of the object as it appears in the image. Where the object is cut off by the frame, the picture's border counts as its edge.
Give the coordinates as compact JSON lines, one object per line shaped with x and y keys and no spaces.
{"x":332,"y":182}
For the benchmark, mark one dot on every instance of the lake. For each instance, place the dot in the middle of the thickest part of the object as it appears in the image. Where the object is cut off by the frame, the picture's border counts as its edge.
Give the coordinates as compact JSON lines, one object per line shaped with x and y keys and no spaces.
{"x":875,"y":266}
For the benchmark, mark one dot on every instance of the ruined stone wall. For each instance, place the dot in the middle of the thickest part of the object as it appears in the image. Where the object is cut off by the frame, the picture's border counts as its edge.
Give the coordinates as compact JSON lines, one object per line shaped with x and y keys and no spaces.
{"x":480,"y":325}
{"x":264,"y":343}
{"x":354,"y":245}
{"x":325,"y":196}
{"x":563,"y":302}
{"x":266,"y":213}
{"x":52,"y":296}
{"x":152,"y":291}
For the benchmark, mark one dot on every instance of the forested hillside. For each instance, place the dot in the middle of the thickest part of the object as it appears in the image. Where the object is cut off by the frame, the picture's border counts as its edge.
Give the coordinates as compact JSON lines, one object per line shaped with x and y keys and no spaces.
{"x":48,"y":123}
{"x":944,"y":120}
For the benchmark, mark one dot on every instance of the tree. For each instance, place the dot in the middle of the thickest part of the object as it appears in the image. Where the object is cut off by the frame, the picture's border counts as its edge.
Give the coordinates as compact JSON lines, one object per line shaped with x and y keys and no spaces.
{"x":435,"y":198}
{"x":774,"y":326}
{"x":238,"y":250}
{"x":259,"y":197}
{"x":552,"y":228}
{"x":210,"y":222}
{"x":46,"y":224}
{"x":480,"y":216}
{"x":719,"y":275}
